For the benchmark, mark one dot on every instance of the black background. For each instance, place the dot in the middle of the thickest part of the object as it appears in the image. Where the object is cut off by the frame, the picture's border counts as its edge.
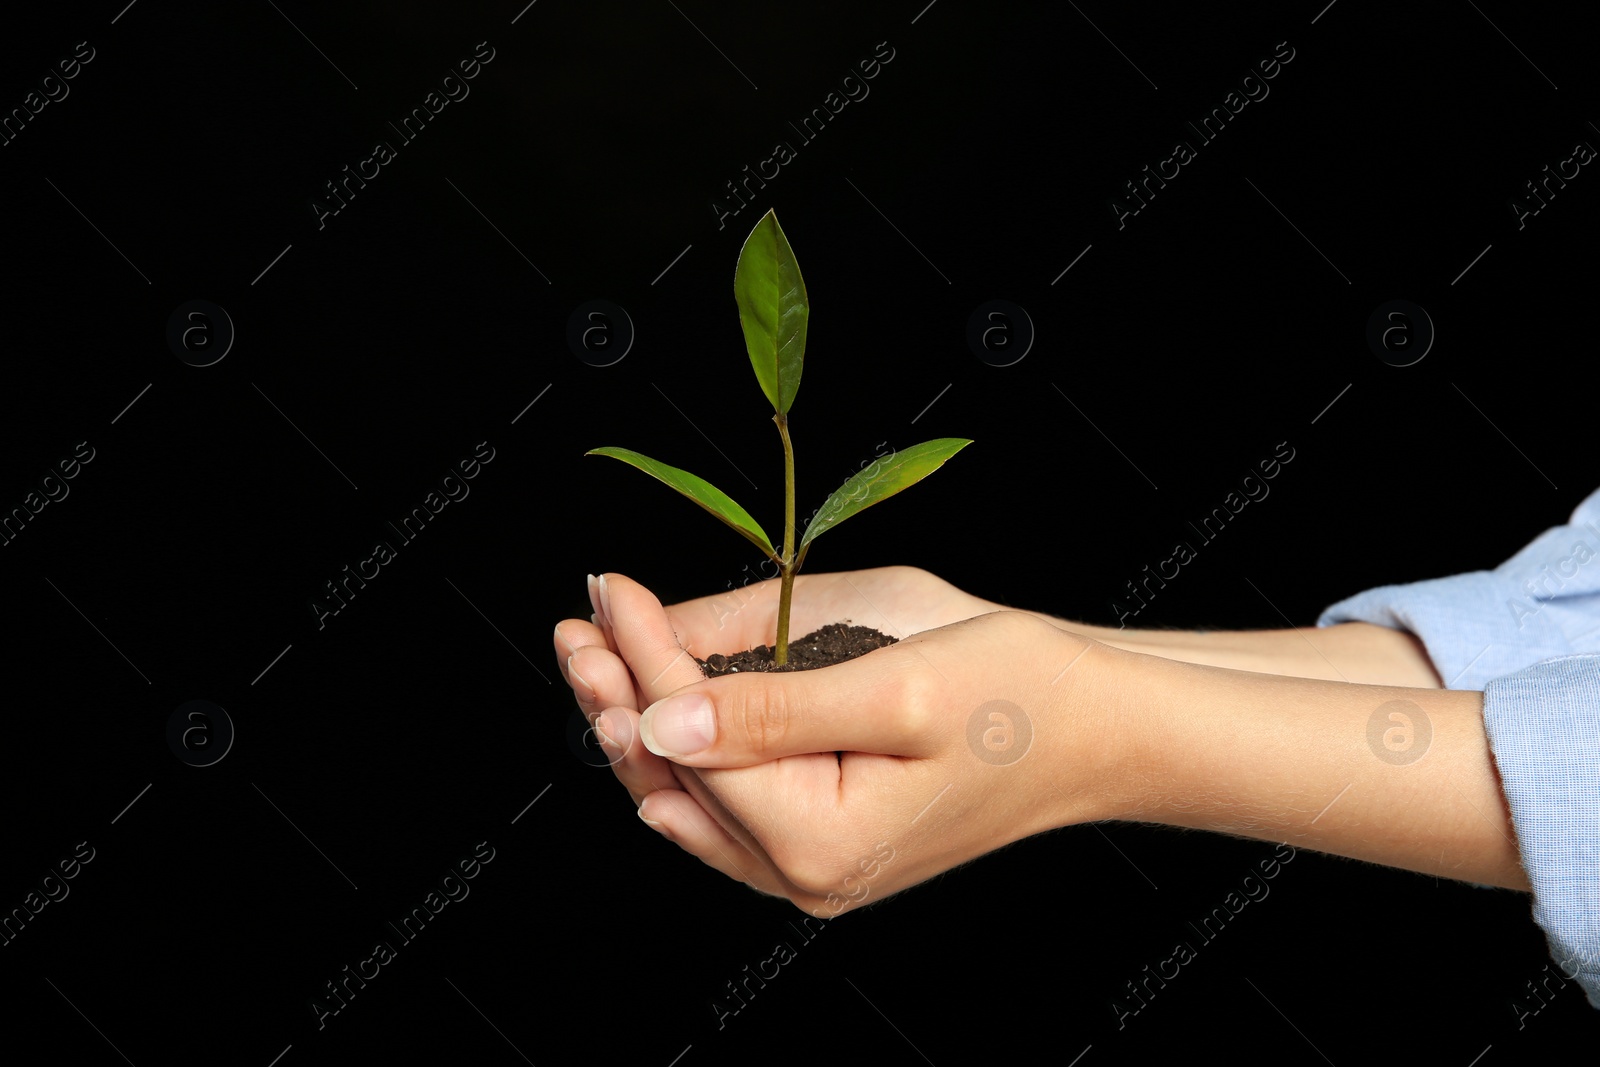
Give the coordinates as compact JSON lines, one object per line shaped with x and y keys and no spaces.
{"x":413,"y":325}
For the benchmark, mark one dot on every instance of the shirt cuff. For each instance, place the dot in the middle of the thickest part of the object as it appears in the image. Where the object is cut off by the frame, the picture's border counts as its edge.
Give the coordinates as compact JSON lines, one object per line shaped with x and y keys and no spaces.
{"x":1543,"y":724}
{"x":1466,"y":622}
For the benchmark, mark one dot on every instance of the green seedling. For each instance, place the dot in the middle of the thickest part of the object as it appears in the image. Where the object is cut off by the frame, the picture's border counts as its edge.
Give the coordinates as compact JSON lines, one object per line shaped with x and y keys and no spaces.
{"x":773,"y":311}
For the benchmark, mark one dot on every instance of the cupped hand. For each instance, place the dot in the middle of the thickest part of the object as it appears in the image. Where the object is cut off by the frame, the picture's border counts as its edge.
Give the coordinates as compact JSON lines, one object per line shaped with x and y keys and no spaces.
{"x":977,"y":729}
{"x":898,"y":601}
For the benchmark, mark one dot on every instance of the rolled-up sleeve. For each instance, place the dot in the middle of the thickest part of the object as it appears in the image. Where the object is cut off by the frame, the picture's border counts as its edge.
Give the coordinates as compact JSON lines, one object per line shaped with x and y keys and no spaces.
{"x":1542,"y":602}
{"x":1543,"y":724}
{"x":1527,"y":634}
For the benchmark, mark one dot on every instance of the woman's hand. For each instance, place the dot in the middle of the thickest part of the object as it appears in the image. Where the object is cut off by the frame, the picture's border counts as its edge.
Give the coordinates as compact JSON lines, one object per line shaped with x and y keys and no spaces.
{"x":957,"y":740}
{"x":898,"y":601}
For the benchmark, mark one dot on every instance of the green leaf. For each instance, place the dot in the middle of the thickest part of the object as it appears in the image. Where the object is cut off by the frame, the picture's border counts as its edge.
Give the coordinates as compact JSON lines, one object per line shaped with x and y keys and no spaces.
{"x":700,"y":491}
{"x":773,"y":310}
{"x":882,"y":480}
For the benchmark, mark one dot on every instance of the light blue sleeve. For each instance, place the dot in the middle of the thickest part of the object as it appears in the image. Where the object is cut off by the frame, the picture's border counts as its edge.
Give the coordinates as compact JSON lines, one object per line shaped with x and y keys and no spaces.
{"x":1542,"y":602}
{"x":1528,"y":635}
{"x":1544,"y":729}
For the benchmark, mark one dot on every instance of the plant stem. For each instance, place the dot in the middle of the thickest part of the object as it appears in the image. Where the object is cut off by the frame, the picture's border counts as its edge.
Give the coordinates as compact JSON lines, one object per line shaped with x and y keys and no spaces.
{"x":789,"y":563}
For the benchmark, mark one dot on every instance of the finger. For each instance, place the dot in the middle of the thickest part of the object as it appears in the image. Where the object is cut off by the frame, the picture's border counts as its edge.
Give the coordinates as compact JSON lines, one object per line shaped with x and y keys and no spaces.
{"x":615,"y":728}
{"x":678,"y":818}
{"x":695,"y":818}
{"x":606,"y":676}
{"x":564,"y":647}
{"x":644,"y":638}
{"x":640,"y":771}
{"x":650,"y":649}
{"x":869,"y":704}
{"x":569,"y":636}
{"x":597,"y":601}
{"x":565,"y":651}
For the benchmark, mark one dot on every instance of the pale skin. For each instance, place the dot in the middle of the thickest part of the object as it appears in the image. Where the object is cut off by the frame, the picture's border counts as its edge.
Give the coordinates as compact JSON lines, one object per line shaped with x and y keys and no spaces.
{"x":1257,"y":734}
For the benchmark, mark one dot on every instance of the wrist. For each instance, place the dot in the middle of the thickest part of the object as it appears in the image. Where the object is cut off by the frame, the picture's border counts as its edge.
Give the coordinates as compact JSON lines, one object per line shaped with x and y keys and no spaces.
{"x":1098,"y":755}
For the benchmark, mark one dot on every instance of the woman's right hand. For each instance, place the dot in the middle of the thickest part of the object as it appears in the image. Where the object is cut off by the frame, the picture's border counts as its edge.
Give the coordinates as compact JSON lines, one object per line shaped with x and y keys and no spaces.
{"x":928,"y":778}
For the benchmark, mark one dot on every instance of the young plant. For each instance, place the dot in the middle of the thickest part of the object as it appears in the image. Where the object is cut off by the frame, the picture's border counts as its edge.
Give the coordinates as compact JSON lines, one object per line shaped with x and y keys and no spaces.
{"x":773,"y":311}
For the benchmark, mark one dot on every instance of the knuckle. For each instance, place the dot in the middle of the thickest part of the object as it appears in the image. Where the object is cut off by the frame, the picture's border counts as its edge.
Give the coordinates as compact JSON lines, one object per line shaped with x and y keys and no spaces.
{"x":1025,"y":625}
{"x":764,"y":720}
{"x":908,"y":693}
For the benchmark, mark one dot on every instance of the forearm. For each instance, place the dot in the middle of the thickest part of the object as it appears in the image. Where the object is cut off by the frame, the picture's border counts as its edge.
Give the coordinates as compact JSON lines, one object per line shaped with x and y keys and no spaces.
{"x":1304,"y":761}
{"x":1349,"y":652}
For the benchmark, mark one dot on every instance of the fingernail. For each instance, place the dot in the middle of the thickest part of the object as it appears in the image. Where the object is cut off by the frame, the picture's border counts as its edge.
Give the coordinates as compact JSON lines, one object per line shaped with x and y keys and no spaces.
{"x":594,"y":599}
{"x":564,"y":644}
{"x":679,"y":726}
{"x":605,"y":601}
{"x":651,"y":823}
{"x":602,"y":731}
{"x":584,"y":690}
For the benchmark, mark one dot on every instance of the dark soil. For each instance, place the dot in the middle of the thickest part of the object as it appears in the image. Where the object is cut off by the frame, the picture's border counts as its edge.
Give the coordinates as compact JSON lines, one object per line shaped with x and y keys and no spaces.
{"x":836,"y":642}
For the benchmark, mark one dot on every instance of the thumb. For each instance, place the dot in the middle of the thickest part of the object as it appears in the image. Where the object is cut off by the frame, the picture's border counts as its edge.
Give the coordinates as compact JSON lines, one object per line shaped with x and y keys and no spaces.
{"x":869,"y":704}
